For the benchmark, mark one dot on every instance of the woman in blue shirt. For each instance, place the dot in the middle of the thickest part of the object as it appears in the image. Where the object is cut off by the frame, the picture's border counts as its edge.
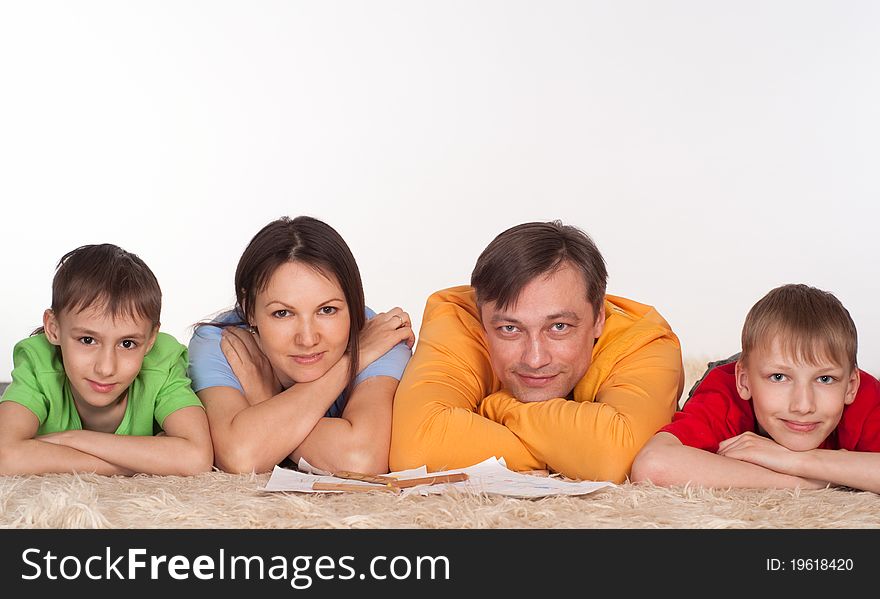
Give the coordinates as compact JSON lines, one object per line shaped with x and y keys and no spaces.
{"x":300,"y":368}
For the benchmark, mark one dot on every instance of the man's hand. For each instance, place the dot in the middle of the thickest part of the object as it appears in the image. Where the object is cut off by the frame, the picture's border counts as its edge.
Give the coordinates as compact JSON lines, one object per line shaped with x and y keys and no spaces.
{"x":249,"y":364}
{"x":767,"y":453}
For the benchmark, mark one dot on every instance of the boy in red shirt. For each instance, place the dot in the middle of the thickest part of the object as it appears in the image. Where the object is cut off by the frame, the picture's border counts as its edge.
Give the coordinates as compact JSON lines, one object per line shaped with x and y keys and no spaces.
{"x":793,"y":411}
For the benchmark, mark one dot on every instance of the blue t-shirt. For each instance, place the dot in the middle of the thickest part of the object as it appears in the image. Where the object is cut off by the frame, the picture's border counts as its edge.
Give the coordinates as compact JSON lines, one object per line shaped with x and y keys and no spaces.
{"x":208,"y":366}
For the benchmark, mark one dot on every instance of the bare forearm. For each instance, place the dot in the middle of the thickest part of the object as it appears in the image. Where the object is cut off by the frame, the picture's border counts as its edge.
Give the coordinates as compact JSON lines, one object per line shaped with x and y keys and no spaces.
{"x":712,"y":470}
{"x":260,"y":436}
{"x":855,"y":469}
{"x":335,"y":445}
{"x":151,"y":455}
{"x":32,"y":456}
{"x":666,"y":462}
{"x":359,"y":439}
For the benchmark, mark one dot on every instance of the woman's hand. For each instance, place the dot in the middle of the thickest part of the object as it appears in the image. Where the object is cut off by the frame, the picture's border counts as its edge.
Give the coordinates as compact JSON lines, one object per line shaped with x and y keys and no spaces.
{"x":249,"y":364}
{"x":381,"y":333}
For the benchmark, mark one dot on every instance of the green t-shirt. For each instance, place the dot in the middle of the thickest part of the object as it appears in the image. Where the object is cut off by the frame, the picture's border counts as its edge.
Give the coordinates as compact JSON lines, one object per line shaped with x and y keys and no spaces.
{"x":40,"y":384}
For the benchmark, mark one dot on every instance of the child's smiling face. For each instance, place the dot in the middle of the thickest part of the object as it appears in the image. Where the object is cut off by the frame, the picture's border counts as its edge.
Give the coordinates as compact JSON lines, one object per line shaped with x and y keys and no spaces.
{"x":102,"y":355}
{"x":799,"y":404}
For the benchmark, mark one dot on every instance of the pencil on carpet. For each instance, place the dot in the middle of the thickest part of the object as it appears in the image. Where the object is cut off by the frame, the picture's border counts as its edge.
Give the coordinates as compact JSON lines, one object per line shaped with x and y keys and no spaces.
{"x":367,"y":478}
{"x":430,"y":480}
{"x":319,"y":486}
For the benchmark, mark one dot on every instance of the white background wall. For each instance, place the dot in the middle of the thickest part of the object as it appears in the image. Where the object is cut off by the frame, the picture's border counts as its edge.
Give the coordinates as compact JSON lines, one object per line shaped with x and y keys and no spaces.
{"x":713,"y":150}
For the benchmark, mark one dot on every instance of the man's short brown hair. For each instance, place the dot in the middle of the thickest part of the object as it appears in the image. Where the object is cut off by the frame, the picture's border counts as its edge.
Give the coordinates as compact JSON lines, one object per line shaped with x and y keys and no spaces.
{"x":810,"y":324}
{"x":523,"y":252}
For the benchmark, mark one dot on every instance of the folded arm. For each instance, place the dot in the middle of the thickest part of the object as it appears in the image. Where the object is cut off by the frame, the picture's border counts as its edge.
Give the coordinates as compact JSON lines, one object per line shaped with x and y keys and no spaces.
{"x":254,"y":438}
{"x":21,"y":453}
{"x":183,"y":450}
{"x":598,"y":440}
{"x":359,"y":440}
{"x":855,"y":469}
{"x":665,"y":461}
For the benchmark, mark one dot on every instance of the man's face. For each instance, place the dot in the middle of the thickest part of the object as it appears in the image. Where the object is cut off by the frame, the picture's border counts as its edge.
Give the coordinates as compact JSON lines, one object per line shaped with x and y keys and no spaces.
{"x":541,"y":345}
{"x":797,"y":404}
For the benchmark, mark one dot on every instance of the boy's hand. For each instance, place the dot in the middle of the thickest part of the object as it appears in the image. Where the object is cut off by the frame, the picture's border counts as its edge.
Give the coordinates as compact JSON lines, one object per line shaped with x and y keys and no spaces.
{"x":749,"y":447}
{"x":249,"y":365}
{"x":767,"y":453}
{"x":381,"y":333}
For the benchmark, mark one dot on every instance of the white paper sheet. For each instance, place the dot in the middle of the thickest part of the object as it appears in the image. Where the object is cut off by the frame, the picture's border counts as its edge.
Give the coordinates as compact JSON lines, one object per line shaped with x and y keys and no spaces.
{"x":490,"y":476}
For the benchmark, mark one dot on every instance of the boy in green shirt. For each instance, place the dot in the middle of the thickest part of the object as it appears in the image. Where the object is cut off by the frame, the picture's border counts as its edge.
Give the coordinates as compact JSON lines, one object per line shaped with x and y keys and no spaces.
{"x":98,"y":388}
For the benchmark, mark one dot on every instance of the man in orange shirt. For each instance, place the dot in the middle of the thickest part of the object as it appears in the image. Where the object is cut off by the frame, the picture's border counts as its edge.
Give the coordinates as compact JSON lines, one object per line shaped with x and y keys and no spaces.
{"x":536,"y":364}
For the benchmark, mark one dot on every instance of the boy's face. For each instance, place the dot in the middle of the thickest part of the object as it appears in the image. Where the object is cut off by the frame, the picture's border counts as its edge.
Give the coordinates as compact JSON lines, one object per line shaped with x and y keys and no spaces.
{"x":797,"y":404}
{"x":102,"y":356}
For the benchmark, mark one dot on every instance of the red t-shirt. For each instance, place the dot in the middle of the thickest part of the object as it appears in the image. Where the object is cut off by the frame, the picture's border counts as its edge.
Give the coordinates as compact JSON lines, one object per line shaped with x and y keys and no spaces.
{"x":716,"y":412}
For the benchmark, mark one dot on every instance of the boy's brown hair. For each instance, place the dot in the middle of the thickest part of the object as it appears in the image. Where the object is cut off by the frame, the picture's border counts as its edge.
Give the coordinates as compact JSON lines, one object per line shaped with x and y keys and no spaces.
{"x":810,"y":324}
{"x":108,"y":276}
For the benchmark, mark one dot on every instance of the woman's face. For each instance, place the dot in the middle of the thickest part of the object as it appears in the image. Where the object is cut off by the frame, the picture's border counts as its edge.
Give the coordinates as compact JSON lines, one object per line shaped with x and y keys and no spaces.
{"x":303,"y":322}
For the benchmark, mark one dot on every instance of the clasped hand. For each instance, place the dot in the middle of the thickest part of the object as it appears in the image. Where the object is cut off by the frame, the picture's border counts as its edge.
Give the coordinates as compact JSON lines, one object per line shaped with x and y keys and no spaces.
{"x":767,"y":453}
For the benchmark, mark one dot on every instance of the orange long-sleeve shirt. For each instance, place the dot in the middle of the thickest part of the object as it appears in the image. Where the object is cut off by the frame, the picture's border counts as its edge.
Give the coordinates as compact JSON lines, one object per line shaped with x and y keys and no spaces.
{"x":450,"y":410}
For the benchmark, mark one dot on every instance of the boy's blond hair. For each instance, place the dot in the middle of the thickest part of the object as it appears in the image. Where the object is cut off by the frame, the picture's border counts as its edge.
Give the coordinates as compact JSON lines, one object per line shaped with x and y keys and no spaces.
{"x":809,"y":323}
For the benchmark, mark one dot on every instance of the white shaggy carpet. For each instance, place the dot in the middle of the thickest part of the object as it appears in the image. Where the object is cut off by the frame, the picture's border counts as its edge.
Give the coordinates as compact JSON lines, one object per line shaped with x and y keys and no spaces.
{"x":219,"y":500}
